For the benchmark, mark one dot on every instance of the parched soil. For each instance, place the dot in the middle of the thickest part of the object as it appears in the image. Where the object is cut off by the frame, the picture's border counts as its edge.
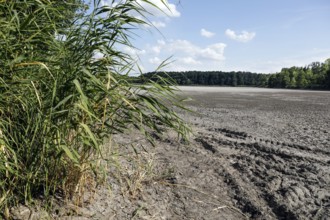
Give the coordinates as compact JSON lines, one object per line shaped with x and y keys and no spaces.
{"x":270,"y":147}
{"x":255,"y":153}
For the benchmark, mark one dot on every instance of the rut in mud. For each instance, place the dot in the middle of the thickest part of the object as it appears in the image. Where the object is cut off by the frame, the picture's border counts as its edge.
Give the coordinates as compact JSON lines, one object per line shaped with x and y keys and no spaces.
{"x":273,"y":180}
{"x":272,"y":150}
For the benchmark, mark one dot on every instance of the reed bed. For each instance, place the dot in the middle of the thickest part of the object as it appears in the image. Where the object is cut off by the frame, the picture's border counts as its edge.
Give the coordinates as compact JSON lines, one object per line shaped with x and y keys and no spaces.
{"x":65,"y":87}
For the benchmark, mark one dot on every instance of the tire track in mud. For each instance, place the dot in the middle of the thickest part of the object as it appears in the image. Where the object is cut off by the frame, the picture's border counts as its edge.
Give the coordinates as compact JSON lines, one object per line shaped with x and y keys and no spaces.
{"x":269,"y":179}
{"x":244,"y":136}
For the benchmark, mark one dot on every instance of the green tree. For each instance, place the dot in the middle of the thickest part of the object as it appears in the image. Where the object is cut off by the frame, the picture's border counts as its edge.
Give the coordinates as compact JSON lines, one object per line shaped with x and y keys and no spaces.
{"x":234,"y":80}
{"x":284,"y":77}
{"x":293,"y":76}
{"x":327,"y":74}
{"x":240,"y":79}
{"x":301,"y":80}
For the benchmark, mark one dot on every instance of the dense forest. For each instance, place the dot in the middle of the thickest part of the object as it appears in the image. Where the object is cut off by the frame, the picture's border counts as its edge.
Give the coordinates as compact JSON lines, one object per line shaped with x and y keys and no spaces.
{"x":313,"y":76}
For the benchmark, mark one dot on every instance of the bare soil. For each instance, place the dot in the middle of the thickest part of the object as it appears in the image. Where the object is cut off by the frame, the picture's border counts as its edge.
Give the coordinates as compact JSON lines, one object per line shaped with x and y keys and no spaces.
{"x":274,"y":147}
{"x":255,"y":153}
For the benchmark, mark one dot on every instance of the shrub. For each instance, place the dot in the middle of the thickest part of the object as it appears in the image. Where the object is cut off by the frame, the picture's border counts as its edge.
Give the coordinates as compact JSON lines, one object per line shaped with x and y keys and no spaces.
{"x":65,"y":88}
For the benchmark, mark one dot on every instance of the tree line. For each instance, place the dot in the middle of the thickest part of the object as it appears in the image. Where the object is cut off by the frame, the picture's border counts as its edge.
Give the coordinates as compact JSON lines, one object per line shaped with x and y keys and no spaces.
{"x":313,"y":76}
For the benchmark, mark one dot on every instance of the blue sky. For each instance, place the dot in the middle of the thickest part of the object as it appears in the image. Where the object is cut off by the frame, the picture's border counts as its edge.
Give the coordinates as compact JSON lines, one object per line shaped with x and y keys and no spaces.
{"x":255,"y":35}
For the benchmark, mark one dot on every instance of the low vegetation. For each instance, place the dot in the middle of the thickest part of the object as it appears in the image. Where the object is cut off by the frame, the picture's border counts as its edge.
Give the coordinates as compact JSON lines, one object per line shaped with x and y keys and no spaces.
{"x":64,"y":89}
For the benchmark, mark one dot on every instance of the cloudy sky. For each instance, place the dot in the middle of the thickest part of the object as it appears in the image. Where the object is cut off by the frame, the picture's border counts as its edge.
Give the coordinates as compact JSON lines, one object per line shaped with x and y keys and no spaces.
{"x":256,"y":35}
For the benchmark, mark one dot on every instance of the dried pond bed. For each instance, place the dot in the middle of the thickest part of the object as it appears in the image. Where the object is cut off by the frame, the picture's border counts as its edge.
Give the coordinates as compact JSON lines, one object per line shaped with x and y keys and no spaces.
{"x":256,"y":153}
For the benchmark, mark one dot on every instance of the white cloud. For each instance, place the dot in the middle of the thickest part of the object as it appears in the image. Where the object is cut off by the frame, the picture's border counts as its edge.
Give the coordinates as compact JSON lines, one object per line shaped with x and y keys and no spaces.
{"x":98,"y":55}
{"x":109,"y":3}
{"x":244,"y":36}
{"x":162,"y":9}
{"x":185,"y":48}
{"x":158,"y":24}
{"x":189,"y":60}
{"x":180,"y":45}
{"x":157,"y":14}
{"x":161,"y":42}
{"x":134,"y":52}
{"x":186,"y":55}
{"x":206,"y":33}
{"x":156,"y":49}
{"x":155,"y":60}
{"x":214,"y":52}
{"x":105,"y":3}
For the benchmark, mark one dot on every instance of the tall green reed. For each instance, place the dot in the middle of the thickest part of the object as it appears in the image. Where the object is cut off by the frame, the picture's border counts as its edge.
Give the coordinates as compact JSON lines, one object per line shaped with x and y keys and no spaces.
{"x":59,"y":102}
